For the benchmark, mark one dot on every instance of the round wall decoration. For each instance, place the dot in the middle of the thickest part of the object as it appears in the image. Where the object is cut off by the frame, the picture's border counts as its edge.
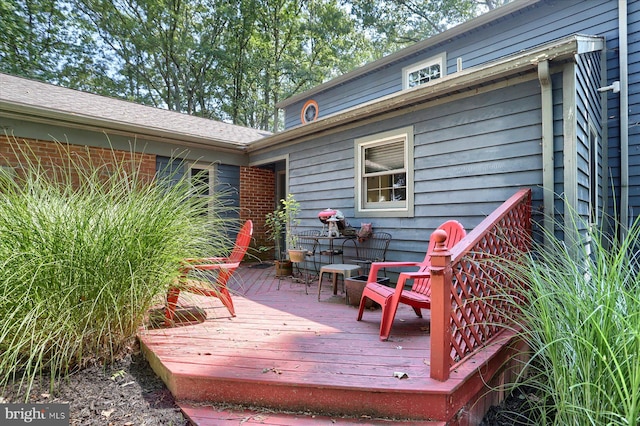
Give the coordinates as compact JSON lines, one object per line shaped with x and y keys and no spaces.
{"x":309,"y":112}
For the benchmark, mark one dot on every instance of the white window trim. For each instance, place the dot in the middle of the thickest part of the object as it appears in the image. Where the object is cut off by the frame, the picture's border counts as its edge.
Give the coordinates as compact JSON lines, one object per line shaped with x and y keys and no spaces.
{"x":440,"y":58}
{"x":211,"y":169}
{"x":360,"y":210}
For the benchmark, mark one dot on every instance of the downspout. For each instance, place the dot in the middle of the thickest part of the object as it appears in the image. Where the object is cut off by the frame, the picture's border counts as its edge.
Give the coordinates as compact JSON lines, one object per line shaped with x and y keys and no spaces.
{"x":624,"y":117}
{"x":548,"y":184}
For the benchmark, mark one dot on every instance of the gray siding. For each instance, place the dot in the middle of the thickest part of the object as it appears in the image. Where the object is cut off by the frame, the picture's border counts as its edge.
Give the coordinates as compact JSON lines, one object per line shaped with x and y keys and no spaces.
{"x":227,"y":182}
{"x":530,"y":27}
{"x":228,"y":185}
{"x":470,"y":156}
{"x":588,"y":119}
{"x":170,"y":168}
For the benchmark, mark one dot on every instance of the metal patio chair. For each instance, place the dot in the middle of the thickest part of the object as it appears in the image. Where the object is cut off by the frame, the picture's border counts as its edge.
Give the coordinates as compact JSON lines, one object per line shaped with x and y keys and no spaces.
{"x":372,"y":249}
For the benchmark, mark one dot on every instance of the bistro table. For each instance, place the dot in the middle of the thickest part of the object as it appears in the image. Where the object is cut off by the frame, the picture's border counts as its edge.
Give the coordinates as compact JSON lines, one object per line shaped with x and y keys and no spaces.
{"x":329,"y":243}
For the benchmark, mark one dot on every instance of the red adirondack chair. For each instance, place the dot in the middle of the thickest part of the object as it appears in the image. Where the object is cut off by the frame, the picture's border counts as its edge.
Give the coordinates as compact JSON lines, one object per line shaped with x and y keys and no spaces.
{"x":419,"y":297}
{"x":225,"y":266}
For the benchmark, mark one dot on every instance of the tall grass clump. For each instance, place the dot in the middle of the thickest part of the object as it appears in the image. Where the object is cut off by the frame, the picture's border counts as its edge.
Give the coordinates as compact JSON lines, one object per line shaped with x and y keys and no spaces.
{"x":581,"y":319}
{"x":86,"y":248}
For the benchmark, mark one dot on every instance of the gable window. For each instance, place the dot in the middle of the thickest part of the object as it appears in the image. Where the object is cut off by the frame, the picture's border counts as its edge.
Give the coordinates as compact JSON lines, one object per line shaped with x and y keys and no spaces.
{"x":309,"y":112}
{"x":201,"y":181}
{"x":384,"y":174}
{"x":423,"y":72}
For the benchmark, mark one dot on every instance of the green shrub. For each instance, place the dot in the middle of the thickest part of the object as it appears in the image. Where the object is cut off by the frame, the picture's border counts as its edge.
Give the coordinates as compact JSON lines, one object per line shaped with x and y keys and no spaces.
{"x":582,"y":323}
{"x":85,"y":251}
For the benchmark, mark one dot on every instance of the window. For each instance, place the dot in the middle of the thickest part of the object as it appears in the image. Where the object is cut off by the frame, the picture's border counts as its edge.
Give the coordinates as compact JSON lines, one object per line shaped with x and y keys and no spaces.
{"x":201,"y":181}
{"x":384,"y":174}
{"x":423,"y":72}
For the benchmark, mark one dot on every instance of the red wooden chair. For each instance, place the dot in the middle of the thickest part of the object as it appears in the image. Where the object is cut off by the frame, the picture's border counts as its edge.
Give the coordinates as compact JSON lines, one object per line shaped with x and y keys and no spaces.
{"x":419,"y":297}
{"x":225,"y":267}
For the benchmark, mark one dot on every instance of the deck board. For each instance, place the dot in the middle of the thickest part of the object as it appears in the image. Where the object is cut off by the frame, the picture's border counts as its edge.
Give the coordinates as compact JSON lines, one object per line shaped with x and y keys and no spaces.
{"x":285,"y":349}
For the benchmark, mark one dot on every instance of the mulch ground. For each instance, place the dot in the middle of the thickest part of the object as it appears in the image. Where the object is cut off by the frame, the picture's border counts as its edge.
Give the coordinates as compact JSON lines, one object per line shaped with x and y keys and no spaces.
{"x":126,"y":393}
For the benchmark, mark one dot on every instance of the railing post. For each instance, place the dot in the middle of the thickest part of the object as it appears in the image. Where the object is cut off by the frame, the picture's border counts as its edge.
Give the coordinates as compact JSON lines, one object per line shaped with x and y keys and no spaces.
{"x":440,"y":308}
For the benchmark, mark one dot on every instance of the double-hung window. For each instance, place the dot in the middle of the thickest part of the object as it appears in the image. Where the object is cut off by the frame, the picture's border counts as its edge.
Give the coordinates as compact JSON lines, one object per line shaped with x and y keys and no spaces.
{"x":423,"y":72}
{"x":384,"y":174}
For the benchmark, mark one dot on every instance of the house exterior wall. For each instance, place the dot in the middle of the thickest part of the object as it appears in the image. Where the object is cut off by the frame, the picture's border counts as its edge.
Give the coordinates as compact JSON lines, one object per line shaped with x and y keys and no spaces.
{"x":15,"y":151}
{"x":589,"y":124}
{"x":470,"y":155}
{"x":257,"y":187}
{"x":227,"y":184}
{"x":154,"y":156}
{"x":532,"y":26}
{"x":634,"y":108}
{"x":104,"y":138}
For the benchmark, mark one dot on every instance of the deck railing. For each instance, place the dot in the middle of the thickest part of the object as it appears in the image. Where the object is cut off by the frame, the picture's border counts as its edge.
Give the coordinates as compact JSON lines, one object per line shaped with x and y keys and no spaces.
{"x":465,"y":311}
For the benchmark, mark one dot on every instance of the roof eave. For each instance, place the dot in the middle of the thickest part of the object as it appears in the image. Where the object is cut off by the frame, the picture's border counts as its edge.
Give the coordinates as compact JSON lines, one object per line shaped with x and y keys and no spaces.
{"x":72,"y":120}
{"x":465,"y":80}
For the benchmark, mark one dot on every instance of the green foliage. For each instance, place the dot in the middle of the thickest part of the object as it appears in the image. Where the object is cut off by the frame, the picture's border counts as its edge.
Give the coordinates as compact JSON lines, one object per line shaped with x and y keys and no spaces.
{"x":216,"y":59}
{"x":85,"y":251}
{"x":40,"y":39}
{"x":284,"y":218}
{"x":394,"y":24}
{"x":581,"y":318}
{"x":291,"y":209}
{"x":275,"y":223}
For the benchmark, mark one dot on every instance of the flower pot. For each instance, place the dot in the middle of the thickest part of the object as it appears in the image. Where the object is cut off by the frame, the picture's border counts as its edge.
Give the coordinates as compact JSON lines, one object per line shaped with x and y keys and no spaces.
{"x":354,"y":287}
{"x":297,"y":255}
{"x":284,"y":268}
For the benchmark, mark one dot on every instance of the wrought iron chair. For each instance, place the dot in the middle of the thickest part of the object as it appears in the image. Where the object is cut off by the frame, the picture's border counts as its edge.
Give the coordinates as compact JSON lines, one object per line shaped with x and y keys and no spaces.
{"x":419,"y":296}
{"x":225,"y":267}
{"x":308,"y":241}
{"x":364,"y":253}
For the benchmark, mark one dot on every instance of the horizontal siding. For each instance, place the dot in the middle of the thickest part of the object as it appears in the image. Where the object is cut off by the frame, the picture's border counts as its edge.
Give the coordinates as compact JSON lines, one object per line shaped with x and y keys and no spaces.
{"x":588,"y":113}
{"x":528,"y":28}
{"x":470,"y":156}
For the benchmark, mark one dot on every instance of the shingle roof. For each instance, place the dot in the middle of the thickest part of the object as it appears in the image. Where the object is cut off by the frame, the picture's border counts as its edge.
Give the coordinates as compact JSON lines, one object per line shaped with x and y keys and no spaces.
{"x":43,"y":100}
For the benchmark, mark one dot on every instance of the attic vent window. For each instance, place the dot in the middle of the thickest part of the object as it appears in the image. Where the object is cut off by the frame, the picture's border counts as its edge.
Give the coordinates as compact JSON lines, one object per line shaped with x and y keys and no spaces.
{"x":423,"y":72}
{"x":309,"y":112}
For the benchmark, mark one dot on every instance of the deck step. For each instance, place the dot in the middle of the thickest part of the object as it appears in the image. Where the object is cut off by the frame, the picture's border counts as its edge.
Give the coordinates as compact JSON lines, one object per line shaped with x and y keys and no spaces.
{"x":207,"y":415}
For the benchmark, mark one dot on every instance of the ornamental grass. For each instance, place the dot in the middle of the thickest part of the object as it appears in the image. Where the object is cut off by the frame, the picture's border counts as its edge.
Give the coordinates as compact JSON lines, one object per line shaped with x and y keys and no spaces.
{"x":581,"y":320}
{"x":87,"y":247}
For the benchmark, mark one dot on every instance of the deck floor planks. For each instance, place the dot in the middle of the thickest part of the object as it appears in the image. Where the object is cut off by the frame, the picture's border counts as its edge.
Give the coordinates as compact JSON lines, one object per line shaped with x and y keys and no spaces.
{"x":286,"y":338}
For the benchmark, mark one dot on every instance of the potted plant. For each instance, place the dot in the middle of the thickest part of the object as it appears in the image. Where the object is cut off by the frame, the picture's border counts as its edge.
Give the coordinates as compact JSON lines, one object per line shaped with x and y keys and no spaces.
{"x":285,"y":220}
{"x":275,"y":223}
{"x":291,"y":209}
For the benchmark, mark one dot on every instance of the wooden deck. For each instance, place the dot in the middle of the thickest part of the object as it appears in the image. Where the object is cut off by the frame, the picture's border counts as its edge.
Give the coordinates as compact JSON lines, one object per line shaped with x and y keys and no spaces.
{"x":286,"y":350}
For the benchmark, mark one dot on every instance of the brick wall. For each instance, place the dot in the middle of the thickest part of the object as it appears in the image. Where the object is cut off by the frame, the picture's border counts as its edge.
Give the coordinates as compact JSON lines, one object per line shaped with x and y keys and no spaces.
{"x":257,"y":186}
{"x":257,"y":191}
{"x":17,"y":153}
